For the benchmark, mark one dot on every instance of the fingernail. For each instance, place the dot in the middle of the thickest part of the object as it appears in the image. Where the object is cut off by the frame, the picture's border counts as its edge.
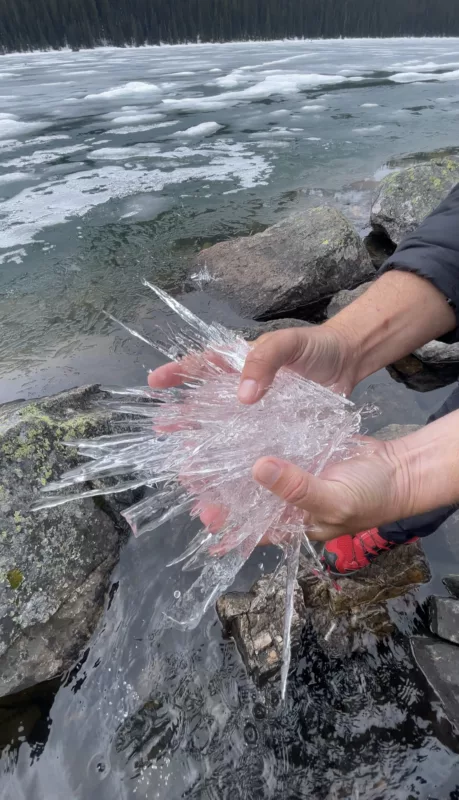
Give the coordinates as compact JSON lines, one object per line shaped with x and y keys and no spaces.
{"x":268,"y":473}
{"x":248,"y":390}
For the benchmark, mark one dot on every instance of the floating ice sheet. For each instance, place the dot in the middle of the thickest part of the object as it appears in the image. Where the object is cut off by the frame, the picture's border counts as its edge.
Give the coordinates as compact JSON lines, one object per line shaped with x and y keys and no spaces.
{"x":194,"y":446}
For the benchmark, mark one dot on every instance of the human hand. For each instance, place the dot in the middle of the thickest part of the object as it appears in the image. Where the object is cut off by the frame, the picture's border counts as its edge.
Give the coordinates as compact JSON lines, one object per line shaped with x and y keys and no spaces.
{"x":365,"y":491}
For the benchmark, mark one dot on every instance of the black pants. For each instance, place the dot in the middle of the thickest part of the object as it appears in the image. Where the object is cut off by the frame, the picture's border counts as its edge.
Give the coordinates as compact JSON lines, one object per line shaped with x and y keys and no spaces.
{"x":423,"y":524}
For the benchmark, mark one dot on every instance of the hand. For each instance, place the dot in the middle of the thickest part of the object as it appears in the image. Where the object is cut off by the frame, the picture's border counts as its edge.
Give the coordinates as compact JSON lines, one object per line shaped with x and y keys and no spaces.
{"x":321,"y":353}
{"x":362,"y":492}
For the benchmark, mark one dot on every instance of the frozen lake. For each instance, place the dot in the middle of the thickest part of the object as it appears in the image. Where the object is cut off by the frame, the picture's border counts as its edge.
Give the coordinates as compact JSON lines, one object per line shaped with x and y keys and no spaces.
{"x":115,"y":163}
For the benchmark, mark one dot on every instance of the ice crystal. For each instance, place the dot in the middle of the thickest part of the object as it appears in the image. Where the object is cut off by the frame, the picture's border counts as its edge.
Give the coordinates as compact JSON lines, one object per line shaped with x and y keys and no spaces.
{"x":194,"y":446}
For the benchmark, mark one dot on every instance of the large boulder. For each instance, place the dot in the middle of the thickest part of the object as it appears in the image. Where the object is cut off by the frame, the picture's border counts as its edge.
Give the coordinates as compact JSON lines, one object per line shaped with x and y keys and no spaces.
{"x":256,"y":329}
{"x":55,"y":564}
{"x":292,"y":265}
{"x":339,"y":613}
{"x":406,"y":197}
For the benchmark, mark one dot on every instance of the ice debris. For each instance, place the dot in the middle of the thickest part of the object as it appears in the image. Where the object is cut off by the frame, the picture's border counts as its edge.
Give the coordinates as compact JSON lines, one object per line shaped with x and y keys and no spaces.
{"x":194,"y":446}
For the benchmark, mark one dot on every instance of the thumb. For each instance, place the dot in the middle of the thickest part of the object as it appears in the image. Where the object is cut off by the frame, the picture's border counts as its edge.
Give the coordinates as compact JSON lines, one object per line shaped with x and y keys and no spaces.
{"x":271,"y":352}
{"x":299,"y":488}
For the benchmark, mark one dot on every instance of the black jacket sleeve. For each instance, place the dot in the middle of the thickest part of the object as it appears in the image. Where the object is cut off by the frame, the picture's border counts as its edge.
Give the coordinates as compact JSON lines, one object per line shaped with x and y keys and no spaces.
{"x":432,"y":251}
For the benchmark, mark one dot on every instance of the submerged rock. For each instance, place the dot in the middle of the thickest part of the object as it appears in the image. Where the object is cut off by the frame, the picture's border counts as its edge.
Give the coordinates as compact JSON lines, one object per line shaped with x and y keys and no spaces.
{"x":406,"y":197}
{"x":439,"y":661}
{"x":444,"y":618}
{"x":294,"y":264}
{"x":340,"y":613}
{"x":256,"y":621}
{"x":55,"y":564}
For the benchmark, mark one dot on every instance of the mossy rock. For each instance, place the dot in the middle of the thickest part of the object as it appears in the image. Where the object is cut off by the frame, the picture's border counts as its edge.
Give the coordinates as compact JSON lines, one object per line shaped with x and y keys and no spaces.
{"x":55,"y":564}
{"x":406,"y":197}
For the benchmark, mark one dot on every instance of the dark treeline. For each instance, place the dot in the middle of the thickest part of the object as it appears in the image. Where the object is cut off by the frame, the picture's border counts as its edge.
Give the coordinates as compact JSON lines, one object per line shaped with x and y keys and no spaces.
{"x":31,"y":24}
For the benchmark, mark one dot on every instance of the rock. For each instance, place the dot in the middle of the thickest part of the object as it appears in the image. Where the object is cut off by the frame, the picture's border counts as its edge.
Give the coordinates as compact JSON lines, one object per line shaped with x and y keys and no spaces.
{"x":444,"y":618}
{"x":258,"y":328}
{"x":406,"y":197}
{"x":379,"y":248}
{"x":361,"y":598}
{"x":292,"y":265}
{"x":345,"y":298}
{"x":339,"y":614}
{"x":256,"y":621}
{"x":395,"y":431}
{"x":439,"y":661}
{"x":452,"y":584}
{"x":55,"y":564}
{"x":438,"y":353}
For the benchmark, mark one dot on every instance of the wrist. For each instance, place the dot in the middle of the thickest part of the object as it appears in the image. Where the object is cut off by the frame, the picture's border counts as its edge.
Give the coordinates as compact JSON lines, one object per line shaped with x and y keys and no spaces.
{"x":349,"y":344}
{"x":427,"y":467}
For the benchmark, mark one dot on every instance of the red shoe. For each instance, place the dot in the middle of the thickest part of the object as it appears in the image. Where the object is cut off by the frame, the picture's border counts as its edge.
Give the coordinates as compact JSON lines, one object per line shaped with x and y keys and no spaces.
{"x":348,"y":554}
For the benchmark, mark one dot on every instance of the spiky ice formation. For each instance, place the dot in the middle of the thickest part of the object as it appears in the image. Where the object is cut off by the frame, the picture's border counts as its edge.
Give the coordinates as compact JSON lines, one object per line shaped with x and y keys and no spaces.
{"x":195,"y":446}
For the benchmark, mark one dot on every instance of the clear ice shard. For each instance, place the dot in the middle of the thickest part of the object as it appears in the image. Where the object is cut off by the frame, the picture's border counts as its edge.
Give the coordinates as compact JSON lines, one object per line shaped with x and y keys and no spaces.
{"x":194,"y":446}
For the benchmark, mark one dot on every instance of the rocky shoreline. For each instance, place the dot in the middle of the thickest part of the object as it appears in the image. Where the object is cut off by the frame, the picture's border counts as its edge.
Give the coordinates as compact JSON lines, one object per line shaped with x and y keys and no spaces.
{"x":55,"y":565}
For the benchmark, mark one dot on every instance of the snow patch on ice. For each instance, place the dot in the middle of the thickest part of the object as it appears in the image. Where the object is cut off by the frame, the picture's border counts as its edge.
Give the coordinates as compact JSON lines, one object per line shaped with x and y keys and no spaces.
{"x":13,"y":257}
{"x":126,"y":91}
{"x":280,"y":84}
{"x":314,"y":108}
{"x":201,"y":130}
{"x":369,"y":105}
{"x":9,"y":126}
{"x":136,"y":119}
{"x":371,"y":129}
{"x":13,"y":177}
{"x":53,"y":202}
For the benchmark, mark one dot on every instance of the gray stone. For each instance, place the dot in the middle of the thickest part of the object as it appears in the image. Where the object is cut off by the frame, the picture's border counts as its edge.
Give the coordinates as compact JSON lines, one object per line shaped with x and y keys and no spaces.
{"x":406,"y":197}
{"x":345,"y":298}
{"x":395,"y":431}
{"x":259,"y":328}
{"x":438,"y":353}
{"x":439,"y":661}
{"x":444,"y":618}
{"x":55,"y":564}
{"x":452,"y":584}
{"x":294,"y":264}
{"x":256,"y":621}
{"x":340,"y":614}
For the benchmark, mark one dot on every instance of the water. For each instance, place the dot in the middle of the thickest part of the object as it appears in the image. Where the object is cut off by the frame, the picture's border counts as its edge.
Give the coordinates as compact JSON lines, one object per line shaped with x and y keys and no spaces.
{"x":117,"y":164}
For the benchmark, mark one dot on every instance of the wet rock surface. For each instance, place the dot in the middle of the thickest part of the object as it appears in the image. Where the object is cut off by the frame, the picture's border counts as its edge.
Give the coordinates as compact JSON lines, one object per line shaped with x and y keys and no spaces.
{"x":55,"y":564}
{"x":439,"y":662}
{"x":438,"y":353}
{"x":444,"y":618}
{"x":339,"y":612}
{"x":294,"y":264}
{"x":406,"y":197}
{"x":452,"y":584}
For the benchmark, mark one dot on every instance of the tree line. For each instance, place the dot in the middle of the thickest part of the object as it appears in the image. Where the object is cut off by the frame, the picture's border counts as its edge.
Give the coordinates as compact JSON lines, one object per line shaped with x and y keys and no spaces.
{"x":43,"y":24}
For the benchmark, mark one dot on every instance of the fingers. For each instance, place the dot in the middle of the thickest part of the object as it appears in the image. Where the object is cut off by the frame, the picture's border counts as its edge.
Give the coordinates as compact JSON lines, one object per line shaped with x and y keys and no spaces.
{"x":295,"y":486}
{"x":167,"y":376}
{"x":271,"y":352}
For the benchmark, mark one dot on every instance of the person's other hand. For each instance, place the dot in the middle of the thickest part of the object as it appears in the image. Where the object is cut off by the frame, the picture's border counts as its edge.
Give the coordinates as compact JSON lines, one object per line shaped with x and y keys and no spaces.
{"x":362,"y":492}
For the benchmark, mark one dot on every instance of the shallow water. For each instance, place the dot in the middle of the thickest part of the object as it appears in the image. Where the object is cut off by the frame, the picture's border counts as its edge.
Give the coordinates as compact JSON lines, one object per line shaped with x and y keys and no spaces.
{"x":102,"y":182}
